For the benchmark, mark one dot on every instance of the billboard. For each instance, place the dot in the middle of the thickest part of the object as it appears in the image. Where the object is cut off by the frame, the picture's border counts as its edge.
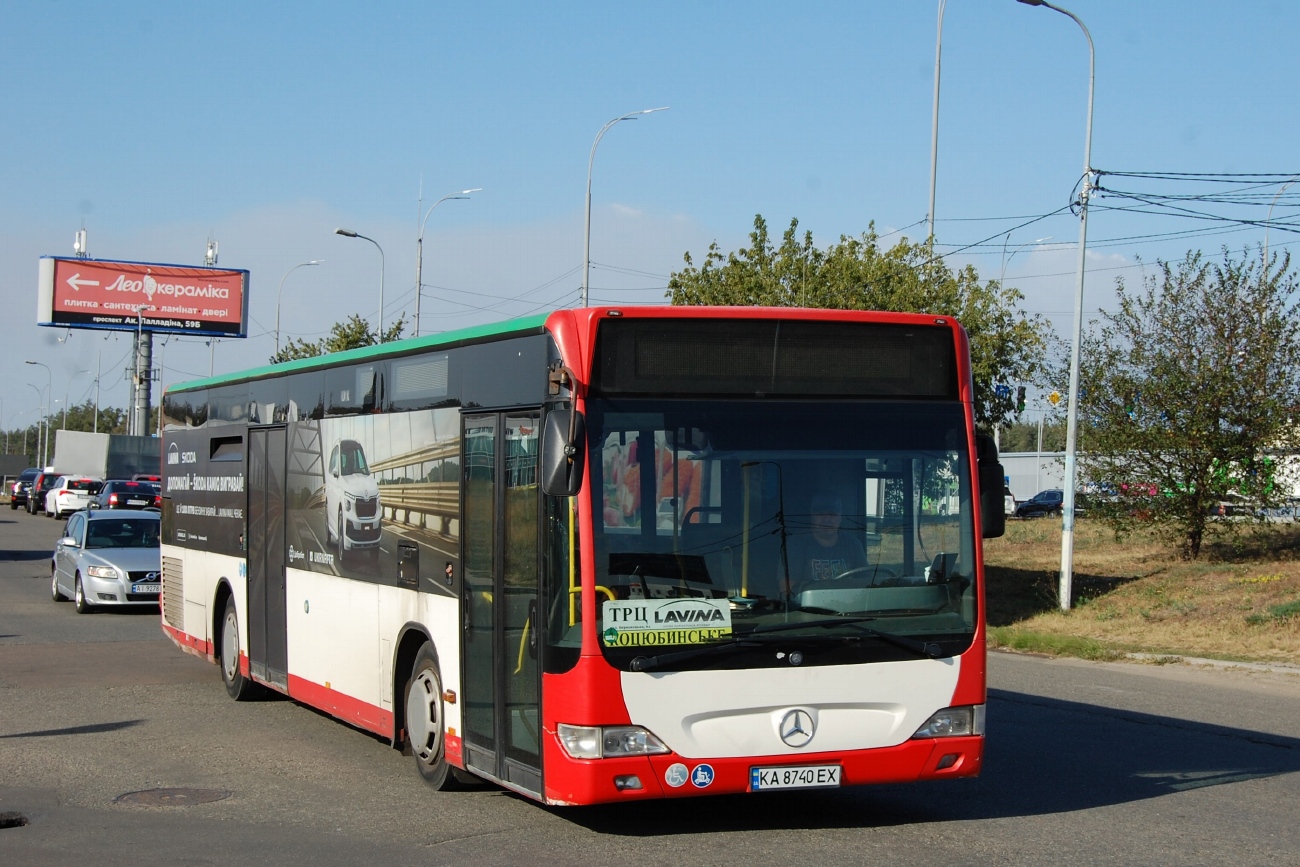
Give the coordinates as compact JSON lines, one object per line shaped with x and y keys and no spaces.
{"x":179,"y":299}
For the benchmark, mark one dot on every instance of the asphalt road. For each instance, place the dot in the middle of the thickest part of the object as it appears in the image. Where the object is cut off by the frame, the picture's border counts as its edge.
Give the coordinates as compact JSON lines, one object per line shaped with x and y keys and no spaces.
{"x":1086,"y":764}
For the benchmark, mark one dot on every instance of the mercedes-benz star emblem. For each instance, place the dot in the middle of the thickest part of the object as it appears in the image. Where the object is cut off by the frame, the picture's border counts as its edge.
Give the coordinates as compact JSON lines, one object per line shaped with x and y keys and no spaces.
{"x":797,"y":728}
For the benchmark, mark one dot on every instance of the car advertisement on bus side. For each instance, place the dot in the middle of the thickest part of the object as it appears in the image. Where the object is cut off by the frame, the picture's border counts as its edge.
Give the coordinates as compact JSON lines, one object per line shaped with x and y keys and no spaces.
{"x":207,"y":498}
{"x":376,"y":497}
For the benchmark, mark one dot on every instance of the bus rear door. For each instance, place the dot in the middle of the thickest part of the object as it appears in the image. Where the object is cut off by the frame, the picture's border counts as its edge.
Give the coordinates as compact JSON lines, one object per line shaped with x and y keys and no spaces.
{"x":268,"y":653}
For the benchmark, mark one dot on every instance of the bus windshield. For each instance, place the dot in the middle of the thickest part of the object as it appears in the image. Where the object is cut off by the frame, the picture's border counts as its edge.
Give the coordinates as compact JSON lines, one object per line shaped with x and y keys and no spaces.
{"x":782,"y":527}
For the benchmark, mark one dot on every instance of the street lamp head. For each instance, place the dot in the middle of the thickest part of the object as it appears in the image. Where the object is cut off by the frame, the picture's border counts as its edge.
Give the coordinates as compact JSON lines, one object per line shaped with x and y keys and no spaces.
{"x":475,"y":190}
{"x":345,"y":233}
{"x":652,"y":110}
{"x":1032,"y":2}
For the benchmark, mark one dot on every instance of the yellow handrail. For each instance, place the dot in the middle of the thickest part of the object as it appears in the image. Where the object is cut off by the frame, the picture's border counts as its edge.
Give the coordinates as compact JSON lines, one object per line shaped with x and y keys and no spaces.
{"x":523,"y":642}
{"x":573,"y":566}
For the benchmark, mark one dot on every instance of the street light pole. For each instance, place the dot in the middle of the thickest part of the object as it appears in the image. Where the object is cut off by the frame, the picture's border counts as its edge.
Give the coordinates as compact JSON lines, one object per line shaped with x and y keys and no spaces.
{"x":40,"y":424}
{"x":379,"y":332}
{"x":419,"y":250}
{"x":934,"y":122}
{"x":49,"y":382}
{"x":278,"y":293}
{"x":586,"y":239}
{"x":1072,"y":409}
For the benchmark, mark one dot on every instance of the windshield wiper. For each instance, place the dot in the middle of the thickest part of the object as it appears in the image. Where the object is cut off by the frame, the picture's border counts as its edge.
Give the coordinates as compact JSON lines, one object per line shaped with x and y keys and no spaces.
{"x":928,"y":649}
{"x":645,"y":663}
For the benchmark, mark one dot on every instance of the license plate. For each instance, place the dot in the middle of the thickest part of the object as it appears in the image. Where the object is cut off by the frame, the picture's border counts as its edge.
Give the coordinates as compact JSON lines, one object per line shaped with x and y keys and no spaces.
{"x":146,"y":588}
{"x":794,"y":777}
{"x":137,"y":502}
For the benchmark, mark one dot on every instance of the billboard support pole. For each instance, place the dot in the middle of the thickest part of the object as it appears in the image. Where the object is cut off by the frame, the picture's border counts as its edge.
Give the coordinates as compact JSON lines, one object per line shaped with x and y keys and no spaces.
{"x":143,"y":370}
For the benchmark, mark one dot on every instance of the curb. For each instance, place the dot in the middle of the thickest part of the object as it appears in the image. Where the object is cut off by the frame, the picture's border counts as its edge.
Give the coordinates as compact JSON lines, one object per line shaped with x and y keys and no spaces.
{"x":1220,"y":664}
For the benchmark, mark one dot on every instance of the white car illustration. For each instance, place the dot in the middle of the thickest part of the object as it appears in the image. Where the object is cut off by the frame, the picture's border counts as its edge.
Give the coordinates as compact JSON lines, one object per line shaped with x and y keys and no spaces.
{"x":352,"y":508}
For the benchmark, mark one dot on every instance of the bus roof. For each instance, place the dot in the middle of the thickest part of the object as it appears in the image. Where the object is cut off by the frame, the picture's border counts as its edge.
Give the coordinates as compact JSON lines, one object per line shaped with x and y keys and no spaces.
{"x":525,"y":325}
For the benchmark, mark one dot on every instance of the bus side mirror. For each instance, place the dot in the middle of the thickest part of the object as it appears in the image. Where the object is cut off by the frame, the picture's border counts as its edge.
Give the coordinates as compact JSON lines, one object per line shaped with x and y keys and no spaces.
{"x":993,"y":516}
{"x":563,"y":454}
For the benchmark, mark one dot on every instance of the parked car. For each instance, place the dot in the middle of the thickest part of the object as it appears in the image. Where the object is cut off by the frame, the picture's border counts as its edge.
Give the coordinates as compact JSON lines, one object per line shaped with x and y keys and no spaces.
{"x":121,"y":494}
{"x":40,"y":487}
{"x":108,"y":558}
{"x":71,"y":494}
{"x":1042,"y":503}
{"x":21,"y":487}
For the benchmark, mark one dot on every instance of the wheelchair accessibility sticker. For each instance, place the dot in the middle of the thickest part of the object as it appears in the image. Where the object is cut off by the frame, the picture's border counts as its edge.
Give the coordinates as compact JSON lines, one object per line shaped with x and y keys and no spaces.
{"x":676,"y":775}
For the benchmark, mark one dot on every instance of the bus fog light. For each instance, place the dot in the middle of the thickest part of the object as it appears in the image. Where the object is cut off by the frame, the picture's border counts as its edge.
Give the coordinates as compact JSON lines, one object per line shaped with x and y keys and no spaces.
{"x":627,"y":782}
{"x":954,"y":722}
{"x":630,"y":741}
{"x":581,"y":742}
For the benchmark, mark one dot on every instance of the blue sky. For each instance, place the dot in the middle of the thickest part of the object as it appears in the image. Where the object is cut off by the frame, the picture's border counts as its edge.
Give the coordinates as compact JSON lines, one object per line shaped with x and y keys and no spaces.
{"x":266,"y":126}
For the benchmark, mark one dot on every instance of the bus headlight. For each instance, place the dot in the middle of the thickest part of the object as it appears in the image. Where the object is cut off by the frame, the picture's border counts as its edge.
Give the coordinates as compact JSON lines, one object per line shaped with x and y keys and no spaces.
{"x":954,"y":722}
{"x":597,"y":742}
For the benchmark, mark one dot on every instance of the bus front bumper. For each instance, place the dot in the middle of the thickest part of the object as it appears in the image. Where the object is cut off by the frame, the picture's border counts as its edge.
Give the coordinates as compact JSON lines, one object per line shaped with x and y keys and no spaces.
{"x":596,"y":781}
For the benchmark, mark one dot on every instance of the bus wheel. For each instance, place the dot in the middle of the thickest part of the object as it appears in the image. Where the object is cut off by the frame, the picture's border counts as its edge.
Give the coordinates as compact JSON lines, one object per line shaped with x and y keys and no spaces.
{"x":238,"y":687}
{"x":424,"y":723}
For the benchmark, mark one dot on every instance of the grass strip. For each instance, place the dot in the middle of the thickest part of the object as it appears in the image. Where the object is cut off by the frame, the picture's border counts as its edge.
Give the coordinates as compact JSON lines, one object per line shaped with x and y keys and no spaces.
{"x":1011,"y":638}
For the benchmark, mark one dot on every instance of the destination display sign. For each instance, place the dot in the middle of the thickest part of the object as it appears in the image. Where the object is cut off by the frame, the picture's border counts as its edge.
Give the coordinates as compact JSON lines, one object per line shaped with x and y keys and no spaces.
{"x":665,"y":622}
{"x":180,"y":299}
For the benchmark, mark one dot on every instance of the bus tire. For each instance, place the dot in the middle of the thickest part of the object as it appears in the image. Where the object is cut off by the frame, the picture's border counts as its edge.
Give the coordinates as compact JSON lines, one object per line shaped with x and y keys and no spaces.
{"x":425,"y":728}
{"x":238,"y":687}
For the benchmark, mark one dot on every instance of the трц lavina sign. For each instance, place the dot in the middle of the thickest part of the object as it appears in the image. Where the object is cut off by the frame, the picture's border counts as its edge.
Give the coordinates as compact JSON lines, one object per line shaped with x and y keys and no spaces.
{"x":95,"y":293}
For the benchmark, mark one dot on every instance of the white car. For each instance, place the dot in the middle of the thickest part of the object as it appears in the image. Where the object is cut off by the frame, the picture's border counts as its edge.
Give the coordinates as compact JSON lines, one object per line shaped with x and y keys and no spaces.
{"x":352,"y":509}
{"x":71,"y":494}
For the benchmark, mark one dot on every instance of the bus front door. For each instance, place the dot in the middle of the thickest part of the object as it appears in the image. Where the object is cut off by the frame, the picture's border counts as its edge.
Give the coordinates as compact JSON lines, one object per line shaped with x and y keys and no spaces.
{"x":501,"y":682}
{"x":268,"y":649}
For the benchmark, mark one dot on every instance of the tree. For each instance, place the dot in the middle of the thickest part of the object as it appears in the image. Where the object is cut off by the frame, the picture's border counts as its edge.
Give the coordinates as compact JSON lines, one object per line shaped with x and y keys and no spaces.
{"x":352,"y":333}
{"x":81,"y":417}
{"x":1007,"y":345}
{"x":1023,"y":436}
{"x":1189,"y":389}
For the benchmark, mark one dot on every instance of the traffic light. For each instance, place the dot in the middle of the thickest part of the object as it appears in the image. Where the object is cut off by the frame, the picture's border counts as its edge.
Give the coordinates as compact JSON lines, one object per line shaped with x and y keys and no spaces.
{"x":1020,"y":399}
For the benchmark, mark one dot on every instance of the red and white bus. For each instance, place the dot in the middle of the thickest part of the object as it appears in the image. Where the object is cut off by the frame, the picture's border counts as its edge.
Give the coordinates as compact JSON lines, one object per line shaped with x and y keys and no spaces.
{"x":604,"y":554}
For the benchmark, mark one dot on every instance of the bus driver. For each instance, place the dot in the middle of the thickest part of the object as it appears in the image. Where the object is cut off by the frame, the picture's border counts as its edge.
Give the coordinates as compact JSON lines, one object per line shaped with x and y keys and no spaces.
{"x":823,"y":553}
